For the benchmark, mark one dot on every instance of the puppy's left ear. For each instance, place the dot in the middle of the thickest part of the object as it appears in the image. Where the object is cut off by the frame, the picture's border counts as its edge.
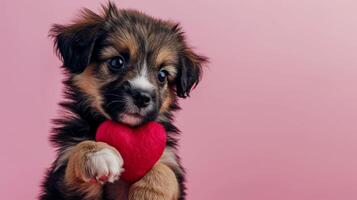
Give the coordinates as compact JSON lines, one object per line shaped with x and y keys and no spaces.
{"x":189,"y":73}
{"x":75,"y":43}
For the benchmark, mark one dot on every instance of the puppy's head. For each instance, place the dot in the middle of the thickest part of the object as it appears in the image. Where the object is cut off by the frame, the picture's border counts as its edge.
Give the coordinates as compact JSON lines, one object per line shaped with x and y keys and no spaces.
{"x":129,"y":66}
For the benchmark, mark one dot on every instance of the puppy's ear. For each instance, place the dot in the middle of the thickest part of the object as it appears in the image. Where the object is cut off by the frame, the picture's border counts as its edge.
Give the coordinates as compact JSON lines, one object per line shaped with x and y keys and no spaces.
{"x":189,"y":72}
{"x":75,"y":43}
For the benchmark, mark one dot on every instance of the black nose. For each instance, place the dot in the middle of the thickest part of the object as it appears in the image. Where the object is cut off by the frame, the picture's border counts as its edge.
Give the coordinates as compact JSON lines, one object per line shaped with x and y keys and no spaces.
{"x":141,"y":98}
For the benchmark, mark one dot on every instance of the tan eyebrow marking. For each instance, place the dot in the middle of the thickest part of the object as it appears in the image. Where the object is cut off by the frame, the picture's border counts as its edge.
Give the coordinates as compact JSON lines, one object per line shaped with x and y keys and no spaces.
{"x":172,"y":70}
{"x":165,"y":56}
{"x":108,"y":52}
{"x":125,"y":41}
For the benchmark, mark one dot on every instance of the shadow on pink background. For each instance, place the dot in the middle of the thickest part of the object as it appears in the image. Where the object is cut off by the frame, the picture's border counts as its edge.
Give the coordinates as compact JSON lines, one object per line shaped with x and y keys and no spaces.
{"x":274,"y":118}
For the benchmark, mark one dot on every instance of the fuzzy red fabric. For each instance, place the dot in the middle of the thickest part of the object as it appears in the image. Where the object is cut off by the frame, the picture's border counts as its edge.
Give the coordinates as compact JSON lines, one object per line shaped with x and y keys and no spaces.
{"x":140,"y":147}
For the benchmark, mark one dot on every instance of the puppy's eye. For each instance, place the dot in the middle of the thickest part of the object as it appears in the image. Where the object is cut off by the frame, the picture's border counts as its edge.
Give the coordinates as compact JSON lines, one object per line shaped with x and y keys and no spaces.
{"x":162,"y":76}
{"x":116,"y":63}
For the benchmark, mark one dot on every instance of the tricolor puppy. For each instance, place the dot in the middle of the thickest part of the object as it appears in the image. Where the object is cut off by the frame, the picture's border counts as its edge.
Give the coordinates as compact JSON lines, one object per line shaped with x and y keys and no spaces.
{"x":125,"y":66}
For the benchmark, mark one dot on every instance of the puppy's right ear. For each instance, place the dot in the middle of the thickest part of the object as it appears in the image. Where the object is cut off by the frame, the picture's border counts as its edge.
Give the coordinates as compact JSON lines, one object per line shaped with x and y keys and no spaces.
{"x":75,"y":43}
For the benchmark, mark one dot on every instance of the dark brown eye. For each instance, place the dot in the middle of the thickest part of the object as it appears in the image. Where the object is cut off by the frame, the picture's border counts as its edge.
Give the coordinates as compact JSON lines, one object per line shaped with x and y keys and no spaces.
{"x":116,"y":63}
{"x":162,"y":76}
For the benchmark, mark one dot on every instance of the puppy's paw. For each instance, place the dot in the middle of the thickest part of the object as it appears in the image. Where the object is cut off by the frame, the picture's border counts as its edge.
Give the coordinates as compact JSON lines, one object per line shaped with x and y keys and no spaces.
{"x":158,"y":184}
{"x":103,"y":165}
{"x":94,"y":162}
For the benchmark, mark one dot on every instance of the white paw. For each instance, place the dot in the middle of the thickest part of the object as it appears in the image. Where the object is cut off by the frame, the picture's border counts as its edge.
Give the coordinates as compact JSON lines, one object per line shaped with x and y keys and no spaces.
{"x":104,"y":165}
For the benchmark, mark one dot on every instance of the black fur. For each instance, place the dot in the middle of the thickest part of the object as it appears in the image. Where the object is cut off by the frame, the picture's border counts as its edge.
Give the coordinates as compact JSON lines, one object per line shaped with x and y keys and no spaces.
{"x":189,"y":74}
{"x":75,"y":46}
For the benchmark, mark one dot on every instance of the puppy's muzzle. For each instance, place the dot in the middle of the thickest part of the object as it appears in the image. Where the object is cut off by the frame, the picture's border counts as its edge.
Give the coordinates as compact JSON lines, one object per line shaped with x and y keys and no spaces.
{"x":141,"y":98}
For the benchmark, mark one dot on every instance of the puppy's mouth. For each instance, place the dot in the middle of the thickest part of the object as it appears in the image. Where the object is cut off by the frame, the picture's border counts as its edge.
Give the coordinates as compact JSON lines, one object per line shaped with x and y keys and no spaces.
{"x":131,"y":119}
{"x":138,"y":115}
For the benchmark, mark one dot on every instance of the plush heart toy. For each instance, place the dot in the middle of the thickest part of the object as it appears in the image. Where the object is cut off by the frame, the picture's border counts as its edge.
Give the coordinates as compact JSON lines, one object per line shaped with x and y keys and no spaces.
{"x":140,"y":147}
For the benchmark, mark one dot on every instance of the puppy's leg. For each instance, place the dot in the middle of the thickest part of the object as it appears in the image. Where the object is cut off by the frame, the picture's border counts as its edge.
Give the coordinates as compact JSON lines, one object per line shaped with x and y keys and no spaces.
{"x":161,"y":182}
{"x":91,"y":164}
{"x":158,"y":184}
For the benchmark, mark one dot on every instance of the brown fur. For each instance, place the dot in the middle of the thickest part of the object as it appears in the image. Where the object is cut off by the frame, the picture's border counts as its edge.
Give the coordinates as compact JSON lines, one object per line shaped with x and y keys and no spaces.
{"x":89,"y":84}
{"x":77,"y":173}
{"x":158,"y":184}
{"x":124,"y":41}
{"x":165,"y":56}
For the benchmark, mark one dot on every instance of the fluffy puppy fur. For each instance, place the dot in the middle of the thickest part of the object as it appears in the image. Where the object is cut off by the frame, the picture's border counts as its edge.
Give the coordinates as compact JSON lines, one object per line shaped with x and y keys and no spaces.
{"x":125,"y":66}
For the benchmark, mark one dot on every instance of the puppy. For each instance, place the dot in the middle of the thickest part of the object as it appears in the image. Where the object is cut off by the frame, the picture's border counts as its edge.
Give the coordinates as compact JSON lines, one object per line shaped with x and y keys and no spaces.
{"x":125,"y":66}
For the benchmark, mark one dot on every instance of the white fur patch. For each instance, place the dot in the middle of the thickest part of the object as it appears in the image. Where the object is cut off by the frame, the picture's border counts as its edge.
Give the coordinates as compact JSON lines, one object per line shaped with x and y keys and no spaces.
{"x":141,"y":81}
{"x":105,"y":162}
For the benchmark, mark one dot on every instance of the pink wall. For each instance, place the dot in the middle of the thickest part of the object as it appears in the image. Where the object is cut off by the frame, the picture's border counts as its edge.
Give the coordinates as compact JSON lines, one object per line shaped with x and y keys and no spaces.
{"x":275,"y":117}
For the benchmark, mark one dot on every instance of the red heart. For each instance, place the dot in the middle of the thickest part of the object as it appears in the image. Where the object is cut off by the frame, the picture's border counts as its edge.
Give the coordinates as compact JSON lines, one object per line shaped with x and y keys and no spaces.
{"x":140,"y":147}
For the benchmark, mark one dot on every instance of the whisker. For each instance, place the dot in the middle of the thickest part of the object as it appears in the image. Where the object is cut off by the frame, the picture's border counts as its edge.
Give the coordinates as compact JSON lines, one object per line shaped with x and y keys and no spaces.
{"x":114,"y":101}
{"x":115,"y":95}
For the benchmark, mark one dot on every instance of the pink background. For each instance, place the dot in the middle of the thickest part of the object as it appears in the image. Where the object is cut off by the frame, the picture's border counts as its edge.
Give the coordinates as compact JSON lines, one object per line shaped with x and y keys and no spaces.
{"x":275,"y":117}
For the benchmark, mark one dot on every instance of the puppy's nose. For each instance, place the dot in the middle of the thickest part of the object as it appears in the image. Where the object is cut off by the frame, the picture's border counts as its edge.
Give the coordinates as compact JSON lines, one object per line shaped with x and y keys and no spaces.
{"x":141,"y":98}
